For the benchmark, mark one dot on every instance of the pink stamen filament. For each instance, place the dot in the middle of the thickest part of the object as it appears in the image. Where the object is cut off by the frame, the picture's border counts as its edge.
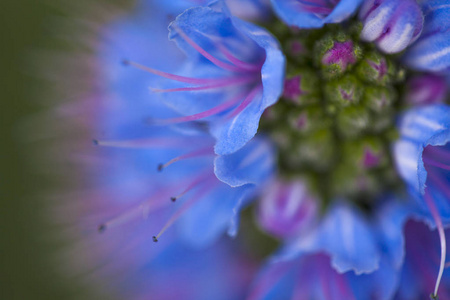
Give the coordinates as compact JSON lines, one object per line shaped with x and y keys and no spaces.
{"x":191,"y":186}
{"x":239,"y":63}
{"x":440,"y":228}
{"x":213,"y":111}
{"x":205,"y":54}
{"x":224,"y":83}
{"x":200,"y":152}
{"x":186,"y":205}
{"x":245,"y":103}
{"x":436,"y":163}
{"x":174,"y":77}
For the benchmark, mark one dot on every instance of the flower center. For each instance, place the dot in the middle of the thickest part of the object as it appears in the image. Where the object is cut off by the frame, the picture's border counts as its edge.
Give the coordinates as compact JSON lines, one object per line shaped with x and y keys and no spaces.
{"x":335,"y":122}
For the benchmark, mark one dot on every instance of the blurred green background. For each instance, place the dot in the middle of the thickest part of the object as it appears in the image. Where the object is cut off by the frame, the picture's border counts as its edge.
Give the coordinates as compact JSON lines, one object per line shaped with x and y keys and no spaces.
{"x":28,"y":251}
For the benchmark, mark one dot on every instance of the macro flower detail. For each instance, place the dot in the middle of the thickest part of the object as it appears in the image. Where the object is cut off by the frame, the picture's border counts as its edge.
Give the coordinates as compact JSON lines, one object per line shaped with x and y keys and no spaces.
{"x":418,"y":274}
{"x":432,"y":51}
{"x":323,"y":133}
{"x":192,"y":182}
{"x":317,"y":264}
{"x":393,"y":25}
{"x":232,"y":86}
{"x":315,"y":13}
{"x":421,"y":150}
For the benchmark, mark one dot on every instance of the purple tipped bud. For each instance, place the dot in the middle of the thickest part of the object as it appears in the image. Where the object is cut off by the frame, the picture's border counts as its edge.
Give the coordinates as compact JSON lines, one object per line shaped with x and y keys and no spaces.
{"x":392,"y":24}
{"x":292,"y":88}
{"x":342,"y":54}
{"x":286,"y":209}
{"x":370,"y":158}
{"x":426,"y":89}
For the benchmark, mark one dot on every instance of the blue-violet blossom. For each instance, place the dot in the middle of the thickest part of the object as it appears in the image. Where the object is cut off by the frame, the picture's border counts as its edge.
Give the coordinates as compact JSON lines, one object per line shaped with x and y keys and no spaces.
{"x":328,"y":116}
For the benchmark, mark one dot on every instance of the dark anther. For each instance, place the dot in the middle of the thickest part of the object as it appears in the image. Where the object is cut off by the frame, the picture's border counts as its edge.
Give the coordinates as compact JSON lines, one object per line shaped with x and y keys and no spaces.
{"x":101,"y":228}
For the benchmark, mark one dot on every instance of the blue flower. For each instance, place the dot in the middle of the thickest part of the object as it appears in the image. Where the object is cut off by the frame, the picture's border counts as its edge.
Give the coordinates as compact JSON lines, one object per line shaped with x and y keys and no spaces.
{"x":418,"y":274}
{"x":315,"y":13}
{"x":191,"y":178}
{"x":420,"y":155}
{"x":236,"y":71}
{"x":341,"y":259}
{"x":304,"y":128}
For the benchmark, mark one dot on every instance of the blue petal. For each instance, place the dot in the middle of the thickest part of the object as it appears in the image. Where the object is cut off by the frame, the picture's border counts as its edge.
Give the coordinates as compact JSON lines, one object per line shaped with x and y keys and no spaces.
{"x":211,"y":26}
{"x":380,"y":285}
{"x":346,"y":236}
{"x":246,"y":9}
{"x":287,"y":11}
{"x":437,"y":14}
{"x":431,"y":53}
{"x":205,"y":222}
{"x":292,"y":14}
{"x":390,"y":220}
{"x":343,"y":10}
{"x":253,"y":164}
{"x":349,"y":240}
{"x":233,"y":134}
{"x":418,"y":128}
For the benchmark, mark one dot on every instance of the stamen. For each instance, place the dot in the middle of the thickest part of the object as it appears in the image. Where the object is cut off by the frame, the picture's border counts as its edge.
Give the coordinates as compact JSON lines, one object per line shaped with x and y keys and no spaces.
{"x":142,"y":210}
{"x":205,"y":54}
{"x":440,"y":228}
{"x":201,"y":152}
{"x":194,"y":184}
{"x":186,"y":205}
{"x":237,"y":62}
{"x":213,"y":111}
{"x":434,"y":163}
{"x":245,"y":103}
{"x":226,"y":82}
{"x":174,"y":77}
{"x":149,"y":143}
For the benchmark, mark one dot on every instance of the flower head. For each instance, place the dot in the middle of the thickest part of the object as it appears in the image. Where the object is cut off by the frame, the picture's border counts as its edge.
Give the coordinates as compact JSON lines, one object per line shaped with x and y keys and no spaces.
{"x":236,"y":71}
{"x":341,"y":145}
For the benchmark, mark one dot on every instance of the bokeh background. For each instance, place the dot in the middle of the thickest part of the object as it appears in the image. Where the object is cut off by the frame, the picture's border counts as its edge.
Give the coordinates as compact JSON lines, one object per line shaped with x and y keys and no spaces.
{"x":30,"y":243}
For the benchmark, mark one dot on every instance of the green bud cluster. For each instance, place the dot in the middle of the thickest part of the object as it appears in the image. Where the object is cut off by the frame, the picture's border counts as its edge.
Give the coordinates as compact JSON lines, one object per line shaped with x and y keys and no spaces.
{"x":335,"y":122}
